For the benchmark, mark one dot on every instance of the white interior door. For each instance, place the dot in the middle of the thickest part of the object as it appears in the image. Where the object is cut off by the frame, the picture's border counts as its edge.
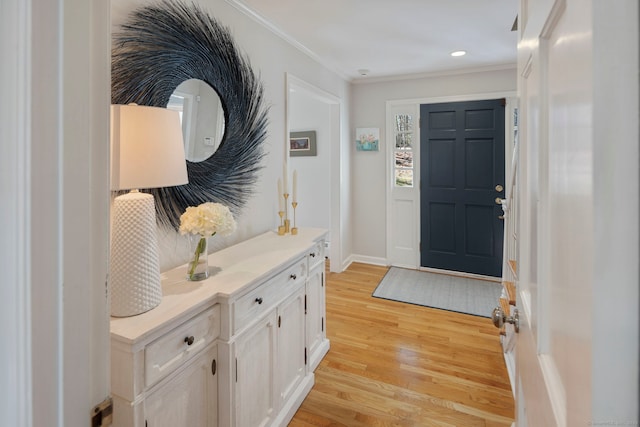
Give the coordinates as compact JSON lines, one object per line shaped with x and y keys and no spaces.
{"x":553,"y":357}
{"x":562,"y":288}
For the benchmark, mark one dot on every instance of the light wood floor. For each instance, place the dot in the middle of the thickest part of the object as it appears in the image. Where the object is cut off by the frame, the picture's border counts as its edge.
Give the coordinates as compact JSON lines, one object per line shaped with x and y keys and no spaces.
{"x":396,"y":364}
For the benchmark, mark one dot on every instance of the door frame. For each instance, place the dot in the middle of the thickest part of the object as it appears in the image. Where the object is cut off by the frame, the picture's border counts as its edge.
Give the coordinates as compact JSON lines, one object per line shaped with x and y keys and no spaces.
{"x":398,"y":257}
{"x":338,"y":164}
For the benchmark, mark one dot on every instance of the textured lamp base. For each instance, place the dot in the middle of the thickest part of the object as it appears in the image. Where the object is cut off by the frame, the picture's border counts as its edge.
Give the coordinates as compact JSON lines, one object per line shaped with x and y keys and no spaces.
{"x":135,"y":266}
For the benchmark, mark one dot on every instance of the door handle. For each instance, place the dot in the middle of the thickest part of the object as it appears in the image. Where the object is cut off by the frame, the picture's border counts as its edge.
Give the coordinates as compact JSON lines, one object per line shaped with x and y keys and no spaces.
{"x":499,"y":319}
{"x":499,"y":201}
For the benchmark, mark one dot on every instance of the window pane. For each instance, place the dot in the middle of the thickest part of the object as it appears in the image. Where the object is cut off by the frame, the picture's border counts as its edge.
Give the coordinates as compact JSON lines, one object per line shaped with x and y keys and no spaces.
{"x":404,"y":131}
{"x":403,"y":141}
{"x":404,"y":159}
{"x":404,"y":123}
{"x":404,"y":178}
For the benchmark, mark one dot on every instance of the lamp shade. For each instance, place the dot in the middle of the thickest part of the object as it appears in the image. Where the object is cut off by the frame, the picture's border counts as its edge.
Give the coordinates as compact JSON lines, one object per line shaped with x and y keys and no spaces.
{"x":147,"y":150}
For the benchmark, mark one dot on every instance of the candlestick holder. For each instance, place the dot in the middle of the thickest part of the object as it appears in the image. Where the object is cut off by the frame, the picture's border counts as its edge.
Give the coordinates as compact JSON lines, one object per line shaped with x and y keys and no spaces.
{"x":294,"y":230}
{"x":287,"y":223}
{"x":281,"y":226}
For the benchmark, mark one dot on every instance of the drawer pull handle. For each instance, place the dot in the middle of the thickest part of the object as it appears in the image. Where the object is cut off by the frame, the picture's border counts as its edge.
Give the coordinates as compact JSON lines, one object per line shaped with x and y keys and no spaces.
{"x":312,"y":254}
{"x":293,"y":276}
{"x":259,"y":300}
{"x":189,"y":340}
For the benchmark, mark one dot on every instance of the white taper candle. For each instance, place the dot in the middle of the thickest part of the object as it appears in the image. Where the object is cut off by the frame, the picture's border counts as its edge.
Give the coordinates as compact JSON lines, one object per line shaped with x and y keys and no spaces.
{"x":295,"y":185}
{"x":284,"y":173}
{"x":280,"y":198}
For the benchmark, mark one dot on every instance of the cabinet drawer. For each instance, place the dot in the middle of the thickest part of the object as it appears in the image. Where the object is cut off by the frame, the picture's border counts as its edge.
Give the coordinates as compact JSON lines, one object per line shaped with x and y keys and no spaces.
{"x":260,"y":300}
{"x":316,"y":254}
{"x":176,"y":347}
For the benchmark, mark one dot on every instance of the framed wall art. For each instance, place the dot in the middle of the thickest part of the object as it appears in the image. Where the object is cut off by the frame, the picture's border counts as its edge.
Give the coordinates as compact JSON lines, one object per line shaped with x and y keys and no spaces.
{"x":367,"y":139}
{"x":302,"y":143}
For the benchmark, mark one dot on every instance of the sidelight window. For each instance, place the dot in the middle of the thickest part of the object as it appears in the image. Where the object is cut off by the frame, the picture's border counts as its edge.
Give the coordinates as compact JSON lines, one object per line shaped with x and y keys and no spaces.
{"x":403,"y":150}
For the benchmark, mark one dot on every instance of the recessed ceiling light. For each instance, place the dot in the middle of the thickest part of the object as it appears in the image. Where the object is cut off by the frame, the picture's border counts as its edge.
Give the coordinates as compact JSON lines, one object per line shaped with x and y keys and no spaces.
{"x":459,"y":53}
{"x":363,"y":71}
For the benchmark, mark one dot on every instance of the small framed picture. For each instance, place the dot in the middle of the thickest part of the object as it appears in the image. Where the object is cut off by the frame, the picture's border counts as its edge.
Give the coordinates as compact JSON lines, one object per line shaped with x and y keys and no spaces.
{"x":367,"y":139}
{"x":302,"y":143}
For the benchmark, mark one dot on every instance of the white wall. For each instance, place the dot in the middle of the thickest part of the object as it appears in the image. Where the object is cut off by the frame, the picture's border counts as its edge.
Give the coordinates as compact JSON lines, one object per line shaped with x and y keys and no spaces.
{"x":368,"y":168}
{"x":271,"y":57}
{"x":314,"y":189}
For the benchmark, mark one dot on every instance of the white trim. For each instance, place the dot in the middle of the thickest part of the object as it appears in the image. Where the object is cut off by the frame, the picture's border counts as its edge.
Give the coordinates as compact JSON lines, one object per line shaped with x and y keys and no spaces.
{"x":365,"y":259}
{"x":15,"y":211}
{"x":526,"y":70}
{"x":314,"y":91}
{"x":554,"y":16}
{"x":431,"y":74}
{"x":246,"y":10}
{"x":320,"y":95}
{"x":555,"y":388}
{"x":510,"y":363}
{"x":456,"y":98}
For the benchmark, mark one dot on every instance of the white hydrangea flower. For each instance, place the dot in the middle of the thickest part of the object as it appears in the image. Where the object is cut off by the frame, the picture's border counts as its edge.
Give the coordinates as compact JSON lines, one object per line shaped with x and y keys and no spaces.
{"x":207,"y":219}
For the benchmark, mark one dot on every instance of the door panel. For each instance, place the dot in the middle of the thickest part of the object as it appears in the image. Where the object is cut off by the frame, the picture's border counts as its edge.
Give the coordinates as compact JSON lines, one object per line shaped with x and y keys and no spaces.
{"x":462,"y":146}
{"x":443,"y":228}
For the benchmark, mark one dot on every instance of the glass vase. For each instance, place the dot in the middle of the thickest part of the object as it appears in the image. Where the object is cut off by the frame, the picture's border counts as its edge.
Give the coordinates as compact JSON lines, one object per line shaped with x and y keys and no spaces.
{"x":198,"y":266}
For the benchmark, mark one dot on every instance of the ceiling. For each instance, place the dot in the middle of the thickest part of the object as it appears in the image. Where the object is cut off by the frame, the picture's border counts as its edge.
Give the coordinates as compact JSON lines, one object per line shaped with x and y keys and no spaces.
{"x":394,"y":38}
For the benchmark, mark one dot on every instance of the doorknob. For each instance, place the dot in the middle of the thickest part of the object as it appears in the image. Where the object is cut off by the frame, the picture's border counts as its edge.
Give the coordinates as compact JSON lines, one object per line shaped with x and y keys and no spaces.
{"x":499,"y":319}
{"x":499,"y":188}
{"x":499,"y":201}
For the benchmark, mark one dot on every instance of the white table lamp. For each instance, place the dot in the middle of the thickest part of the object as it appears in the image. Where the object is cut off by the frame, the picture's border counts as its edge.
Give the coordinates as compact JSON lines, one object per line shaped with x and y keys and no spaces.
{"x":147,"y":151}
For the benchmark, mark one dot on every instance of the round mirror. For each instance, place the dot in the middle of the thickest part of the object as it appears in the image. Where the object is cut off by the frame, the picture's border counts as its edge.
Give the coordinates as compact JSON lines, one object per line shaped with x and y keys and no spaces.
{"x":159,"y":48}
{"x":202,"y":117}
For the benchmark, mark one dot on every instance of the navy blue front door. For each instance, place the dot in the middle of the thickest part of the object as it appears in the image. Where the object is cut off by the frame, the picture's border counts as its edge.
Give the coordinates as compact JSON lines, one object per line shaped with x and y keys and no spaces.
{"x":462,"y":162}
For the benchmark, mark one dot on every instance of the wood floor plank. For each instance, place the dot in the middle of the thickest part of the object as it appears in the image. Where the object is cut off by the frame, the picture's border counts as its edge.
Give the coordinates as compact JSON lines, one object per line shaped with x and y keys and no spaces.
{"x":397,"y":364}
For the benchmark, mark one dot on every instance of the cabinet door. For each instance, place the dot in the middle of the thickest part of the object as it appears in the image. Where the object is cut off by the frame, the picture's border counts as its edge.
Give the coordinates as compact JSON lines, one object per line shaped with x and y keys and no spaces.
{"x":291,"y":344}
{"x":254,"y":374}
{"x":315,"y":314}
{"x":189,"y":398}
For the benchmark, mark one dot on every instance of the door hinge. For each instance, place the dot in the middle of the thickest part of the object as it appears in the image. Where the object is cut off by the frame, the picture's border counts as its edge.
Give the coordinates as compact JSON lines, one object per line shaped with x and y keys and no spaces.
{"x":305,"y":304}
{"x":420,"y":246}
{"x":322,"y":280}
{"x":102,"y":414}
{"x":305,"y":355}
{"x":323,"y":324}
{"x":279,"y":321}
{"x":236,"y":369}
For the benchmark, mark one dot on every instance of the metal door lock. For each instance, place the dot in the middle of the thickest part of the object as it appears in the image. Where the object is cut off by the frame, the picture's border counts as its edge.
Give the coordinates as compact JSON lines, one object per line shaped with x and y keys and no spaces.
{"x":499,"y":319}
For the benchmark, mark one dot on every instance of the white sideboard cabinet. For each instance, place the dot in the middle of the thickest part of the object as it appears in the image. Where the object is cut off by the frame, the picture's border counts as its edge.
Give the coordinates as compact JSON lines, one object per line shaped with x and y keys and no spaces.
{"x":237,"y":349}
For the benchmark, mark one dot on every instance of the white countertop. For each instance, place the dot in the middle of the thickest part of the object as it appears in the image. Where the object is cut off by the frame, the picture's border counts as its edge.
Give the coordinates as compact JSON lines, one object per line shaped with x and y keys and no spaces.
{"x":232,"y":271}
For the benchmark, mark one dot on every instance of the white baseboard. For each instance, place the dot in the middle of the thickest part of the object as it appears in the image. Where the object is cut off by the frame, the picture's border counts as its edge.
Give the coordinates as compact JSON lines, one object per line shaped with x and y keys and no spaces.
{"x":367,"y":260}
